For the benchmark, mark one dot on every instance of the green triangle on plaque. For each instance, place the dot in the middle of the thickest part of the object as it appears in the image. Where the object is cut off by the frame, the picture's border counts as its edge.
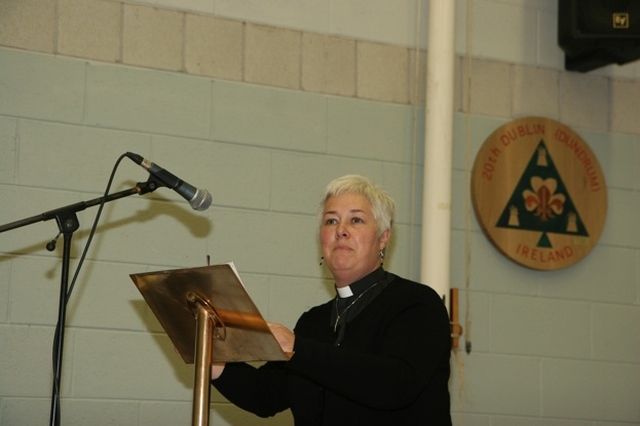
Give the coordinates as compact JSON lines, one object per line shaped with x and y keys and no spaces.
{"x":541,"y":202}
{"x":544,"y":241}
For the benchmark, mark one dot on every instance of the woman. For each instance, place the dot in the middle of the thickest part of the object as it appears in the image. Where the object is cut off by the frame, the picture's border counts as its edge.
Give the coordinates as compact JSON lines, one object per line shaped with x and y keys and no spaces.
{"x":377,"y":354}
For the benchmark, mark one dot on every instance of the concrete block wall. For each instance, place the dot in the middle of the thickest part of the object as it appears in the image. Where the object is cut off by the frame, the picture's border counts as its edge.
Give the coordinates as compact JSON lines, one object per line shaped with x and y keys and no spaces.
{"x":263,"y":105}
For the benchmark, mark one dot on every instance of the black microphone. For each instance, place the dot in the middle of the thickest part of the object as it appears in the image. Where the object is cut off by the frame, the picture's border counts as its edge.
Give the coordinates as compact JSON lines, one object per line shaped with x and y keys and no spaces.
{"x":199,"y":199}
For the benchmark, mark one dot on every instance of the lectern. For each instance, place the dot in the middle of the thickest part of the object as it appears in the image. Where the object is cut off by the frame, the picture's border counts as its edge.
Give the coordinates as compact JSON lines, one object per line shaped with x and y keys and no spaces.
{"x":209,"y":317}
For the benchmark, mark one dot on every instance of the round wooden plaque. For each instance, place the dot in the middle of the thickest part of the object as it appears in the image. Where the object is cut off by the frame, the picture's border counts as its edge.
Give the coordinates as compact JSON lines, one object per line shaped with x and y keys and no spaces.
{"x":539,"y":193}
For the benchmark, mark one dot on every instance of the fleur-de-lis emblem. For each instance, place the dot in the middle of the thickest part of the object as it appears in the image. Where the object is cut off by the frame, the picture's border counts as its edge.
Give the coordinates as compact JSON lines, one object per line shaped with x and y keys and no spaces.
{"x":542,"y":199}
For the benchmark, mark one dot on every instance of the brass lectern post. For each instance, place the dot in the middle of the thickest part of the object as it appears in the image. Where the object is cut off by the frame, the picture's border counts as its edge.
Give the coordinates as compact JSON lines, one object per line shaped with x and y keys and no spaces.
{"x":202,"y":381}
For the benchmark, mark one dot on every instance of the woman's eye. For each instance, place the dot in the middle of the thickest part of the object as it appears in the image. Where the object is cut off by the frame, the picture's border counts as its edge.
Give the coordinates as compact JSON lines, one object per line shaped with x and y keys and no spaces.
{"x":330,"y":221}
{"x":357,"y":220}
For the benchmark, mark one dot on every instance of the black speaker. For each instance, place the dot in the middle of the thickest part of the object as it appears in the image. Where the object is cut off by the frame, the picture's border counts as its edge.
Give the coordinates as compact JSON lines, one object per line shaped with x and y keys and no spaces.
{"x":595,"y":33}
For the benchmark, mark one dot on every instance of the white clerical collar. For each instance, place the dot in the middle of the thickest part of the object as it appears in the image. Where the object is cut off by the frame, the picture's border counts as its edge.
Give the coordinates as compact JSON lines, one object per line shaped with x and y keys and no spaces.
{"x":344,"y":292}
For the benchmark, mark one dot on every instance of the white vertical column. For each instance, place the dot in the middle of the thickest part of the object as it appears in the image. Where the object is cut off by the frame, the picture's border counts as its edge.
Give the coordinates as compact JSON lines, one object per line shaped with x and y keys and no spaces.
{"x":436,"y":208}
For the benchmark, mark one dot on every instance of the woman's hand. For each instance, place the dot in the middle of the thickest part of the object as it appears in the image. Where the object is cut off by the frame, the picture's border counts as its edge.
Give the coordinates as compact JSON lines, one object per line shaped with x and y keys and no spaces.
{"x":216,"y":370}
{"x":284,"y":336}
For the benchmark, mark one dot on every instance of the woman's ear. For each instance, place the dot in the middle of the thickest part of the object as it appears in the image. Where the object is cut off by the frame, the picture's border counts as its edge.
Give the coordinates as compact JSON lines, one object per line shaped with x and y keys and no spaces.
{"x":384,"y":238}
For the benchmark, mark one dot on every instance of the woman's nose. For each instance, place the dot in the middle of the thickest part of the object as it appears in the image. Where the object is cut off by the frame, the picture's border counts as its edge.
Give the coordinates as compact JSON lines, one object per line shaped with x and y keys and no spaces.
{"x":342,"y":231}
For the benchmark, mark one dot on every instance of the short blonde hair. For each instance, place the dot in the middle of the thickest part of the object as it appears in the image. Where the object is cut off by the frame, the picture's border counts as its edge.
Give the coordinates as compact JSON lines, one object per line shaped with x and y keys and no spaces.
{"x":382,"y":203}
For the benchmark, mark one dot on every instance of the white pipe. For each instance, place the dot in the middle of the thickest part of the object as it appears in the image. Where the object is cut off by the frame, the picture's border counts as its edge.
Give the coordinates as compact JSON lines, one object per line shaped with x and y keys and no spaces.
{"x":436,"y":208}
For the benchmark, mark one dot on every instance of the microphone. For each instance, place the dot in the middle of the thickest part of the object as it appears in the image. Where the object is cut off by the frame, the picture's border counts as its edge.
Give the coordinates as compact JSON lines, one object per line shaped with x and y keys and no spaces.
{"x":199,"y":199}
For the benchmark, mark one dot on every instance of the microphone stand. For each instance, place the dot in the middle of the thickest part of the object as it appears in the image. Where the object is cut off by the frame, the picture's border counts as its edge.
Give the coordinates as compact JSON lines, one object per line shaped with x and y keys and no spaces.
{"x":68,"y":223}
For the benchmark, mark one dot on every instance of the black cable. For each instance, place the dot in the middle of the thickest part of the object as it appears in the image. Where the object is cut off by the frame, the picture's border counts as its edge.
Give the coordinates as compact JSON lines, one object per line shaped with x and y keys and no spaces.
{"x":56,"y":342}
{"x":95,"y":225}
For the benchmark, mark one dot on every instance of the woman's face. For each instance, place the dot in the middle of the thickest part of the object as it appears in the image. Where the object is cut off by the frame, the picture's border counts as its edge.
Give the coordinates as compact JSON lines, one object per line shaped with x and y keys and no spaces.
{"x":349,"y":238}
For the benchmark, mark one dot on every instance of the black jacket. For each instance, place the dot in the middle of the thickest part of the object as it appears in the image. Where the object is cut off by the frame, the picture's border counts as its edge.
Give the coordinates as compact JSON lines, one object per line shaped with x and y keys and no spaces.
{"x":391,"y":368}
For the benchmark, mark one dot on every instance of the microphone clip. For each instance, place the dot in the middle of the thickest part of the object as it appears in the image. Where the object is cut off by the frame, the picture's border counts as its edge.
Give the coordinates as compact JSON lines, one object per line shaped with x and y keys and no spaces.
{"x":150,"y":185}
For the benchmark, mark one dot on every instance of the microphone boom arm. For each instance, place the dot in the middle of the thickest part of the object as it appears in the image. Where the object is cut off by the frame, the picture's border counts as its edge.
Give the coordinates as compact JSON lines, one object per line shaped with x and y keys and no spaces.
{"x":141,"y":188}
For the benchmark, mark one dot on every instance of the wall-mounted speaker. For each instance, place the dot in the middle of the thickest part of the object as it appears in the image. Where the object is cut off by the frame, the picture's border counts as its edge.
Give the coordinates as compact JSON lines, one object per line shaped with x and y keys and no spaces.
{"x":595,"y":33}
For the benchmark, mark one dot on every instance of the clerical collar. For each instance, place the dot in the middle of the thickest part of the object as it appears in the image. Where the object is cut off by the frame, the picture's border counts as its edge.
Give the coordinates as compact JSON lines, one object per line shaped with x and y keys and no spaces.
{"x":361,"y":285}
{"x":344,"y":292}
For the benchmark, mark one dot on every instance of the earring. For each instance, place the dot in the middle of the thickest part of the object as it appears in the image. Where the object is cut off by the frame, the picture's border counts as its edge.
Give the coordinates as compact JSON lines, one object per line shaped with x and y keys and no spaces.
{"x":381,"y":254}
{"x":321,"y":260}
